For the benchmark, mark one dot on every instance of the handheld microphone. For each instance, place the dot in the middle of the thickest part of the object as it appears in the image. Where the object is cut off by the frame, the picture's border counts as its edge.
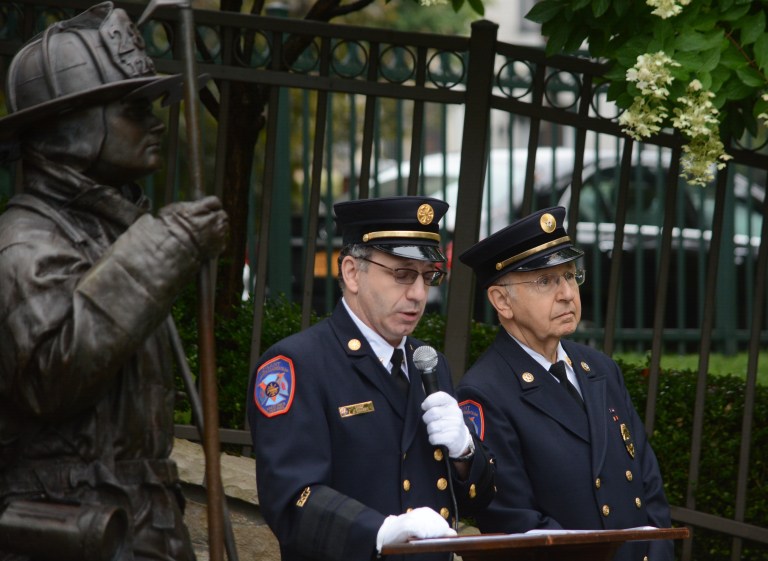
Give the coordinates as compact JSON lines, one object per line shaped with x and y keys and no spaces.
{"x":425,"y":359}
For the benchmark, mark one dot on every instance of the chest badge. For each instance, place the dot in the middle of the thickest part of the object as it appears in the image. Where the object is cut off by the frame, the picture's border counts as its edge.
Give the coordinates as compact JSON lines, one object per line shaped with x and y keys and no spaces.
{"x":356,"y":409}
{"x":627,"y":438}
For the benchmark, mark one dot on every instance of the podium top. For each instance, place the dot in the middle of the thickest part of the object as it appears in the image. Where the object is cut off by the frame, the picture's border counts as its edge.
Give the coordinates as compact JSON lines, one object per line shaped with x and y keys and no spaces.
{"x":494,"y":543}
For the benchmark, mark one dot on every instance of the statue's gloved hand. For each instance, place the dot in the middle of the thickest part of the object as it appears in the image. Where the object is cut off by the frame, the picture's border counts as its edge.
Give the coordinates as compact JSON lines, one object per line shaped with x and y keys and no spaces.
{"x":204,"y":221}
{"x":422,"y":522}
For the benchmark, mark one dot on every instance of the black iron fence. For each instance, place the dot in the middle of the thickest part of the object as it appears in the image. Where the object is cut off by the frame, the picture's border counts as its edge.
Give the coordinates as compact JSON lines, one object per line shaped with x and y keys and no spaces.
{"x":498,"y":130}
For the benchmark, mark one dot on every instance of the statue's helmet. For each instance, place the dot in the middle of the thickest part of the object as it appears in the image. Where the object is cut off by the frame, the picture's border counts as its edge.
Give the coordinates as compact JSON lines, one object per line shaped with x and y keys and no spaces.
{"x":93,"y":59}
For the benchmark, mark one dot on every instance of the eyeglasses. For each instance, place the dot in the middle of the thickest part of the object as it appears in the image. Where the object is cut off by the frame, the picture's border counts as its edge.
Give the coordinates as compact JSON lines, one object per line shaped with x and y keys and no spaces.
{"x":548,"y":283}
{"x":409,"y":276}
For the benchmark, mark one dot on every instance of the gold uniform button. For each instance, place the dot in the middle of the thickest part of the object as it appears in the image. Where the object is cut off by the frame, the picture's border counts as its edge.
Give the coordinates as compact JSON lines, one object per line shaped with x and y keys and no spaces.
{"x":406,"y":485}
{"x":472,"y":491}
{"x":629,"y":475}
{"x":597,"y":483}
{"x":438,"y":455}
{"x":354,"y":344}
{"x":445,"y":513}
{"x":606,"y":510}
{"x":638,"y":502}
{"x":442,"y":484}
{"x":645,"y":558}
{"x":409,"y":509}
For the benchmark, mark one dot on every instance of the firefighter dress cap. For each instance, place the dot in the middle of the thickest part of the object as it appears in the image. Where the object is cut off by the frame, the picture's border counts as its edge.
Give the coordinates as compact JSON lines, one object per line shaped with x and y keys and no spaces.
{"x":537,"y":241}
{"x":94,"y":58}
{"x":406,"y":227}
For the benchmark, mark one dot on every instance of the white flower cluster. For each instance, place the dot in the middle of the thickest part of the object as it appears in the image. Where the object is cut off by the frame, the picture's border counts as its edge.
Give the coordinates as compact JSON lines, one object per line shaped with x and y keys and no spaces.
{"x":433,"y":2}
{"x":667,"y":8}
{"x":652,"y":76}
{"x":764,"y":116}
{"x":696,"y":117}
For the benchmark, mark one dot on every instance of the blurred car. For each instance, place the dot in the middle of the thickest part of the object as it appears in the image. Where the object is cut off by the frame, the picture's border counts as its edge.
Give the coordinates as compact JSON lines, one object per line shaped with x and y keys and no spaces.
{"x":691,"y":239}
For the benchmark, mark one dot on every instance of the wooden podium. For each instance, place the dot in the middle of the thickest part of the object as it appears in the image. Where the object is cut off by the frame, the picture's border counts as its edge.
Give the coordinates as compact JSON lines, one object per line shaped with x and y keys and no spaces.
{"x":556,"y":545}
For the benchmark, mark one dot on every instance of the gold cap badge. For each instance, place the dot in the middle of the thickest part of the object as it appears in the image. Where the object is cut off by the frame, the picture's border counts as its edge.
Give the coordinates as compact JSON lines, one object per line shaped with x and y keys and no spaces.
{"x":548,"y":223}
{"x":425,"y":214}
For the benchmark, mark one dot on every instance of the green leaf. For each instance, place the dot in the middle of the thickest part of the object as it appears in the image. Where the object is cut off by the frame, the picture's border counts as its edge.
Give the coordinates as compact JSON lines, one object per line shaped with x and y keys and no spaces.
{"x":477,"y":6}
{"x":664,"y":35}
{"x":576,"y":39}
{"x":750,"y":77}
{"x":720,"y":75}
{"x":617,"y":73}
{"x":761,"y":106}
{"x":457,"y":4}
{"x":599,"y":7}
{"x":735,"y":89}
{"x":624,"y":100}
{"x":735,"y":14}
{"x":545,"y":10}
{"x":695,"y":41}
{"x":731,"y":58}
{"x":556,"y":42}
{"x":688,"y":61}
{"x":620,"y":7}
{"x":752,"y":28}
{"x":709,"y":60}
{"x":597,"y":41}
{"x":761,"y":52}
{"x":628,"y":53}
{"x":579,"y":4}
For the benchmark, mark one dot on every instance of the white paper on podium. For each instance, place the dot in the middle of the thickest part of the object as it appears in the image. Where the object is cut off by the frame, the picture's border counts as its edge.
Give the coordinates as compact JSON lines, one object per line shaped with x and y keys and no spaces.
{"x":551,"y":532}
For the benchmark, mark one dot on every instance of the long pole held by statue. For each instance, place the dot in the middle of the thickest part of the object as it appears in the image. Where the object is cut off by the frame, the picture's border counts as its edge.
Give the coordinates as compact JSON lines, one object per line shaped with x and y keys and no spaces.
{"x":206,"y":342}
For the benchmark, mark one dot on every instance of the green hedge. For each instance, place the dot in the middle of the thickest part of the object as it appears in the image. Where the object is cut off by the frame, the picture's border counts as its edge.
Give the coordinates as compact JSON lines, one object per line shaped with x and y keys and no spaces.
{"x":715,"y":492}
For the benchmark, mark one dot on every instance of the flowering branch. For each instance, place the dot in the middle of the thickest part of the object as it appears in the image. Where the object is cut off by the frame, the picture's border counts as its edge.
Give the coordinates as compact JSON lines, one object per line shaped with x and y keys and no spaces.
{"x":676,"y":63}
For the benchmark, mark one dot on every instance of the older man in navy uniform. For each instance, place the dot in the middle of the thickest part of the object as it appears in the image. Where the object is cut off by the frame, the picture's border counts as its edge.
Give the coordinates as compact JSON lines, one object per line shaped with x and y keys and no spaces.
{"x":571,"y":449}
{"x":351,"y":454}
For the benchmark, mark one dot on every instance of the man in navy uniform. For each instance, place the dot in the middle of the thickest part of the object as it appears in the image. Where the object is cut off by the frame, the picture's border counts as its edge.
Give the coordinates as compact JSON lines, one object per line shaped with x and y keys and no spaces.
{"x":571,"y":449}
{"x":351,"y":454}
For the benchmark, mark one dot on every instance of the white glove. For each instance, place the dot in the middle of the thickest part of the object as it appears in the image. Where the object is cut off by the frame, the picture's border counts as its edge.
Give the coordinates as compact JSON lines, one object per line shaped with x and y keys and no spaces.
{"x":445,"y":424}
{"x":421,"y":522}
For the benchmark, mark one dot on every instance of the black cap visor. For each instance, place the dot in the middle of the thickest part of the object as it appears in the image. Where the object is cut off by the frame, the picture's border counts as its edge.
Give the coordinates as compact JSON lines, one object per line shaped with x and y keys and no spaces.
{"x":552,"y":259}
{"x":418,"y":252}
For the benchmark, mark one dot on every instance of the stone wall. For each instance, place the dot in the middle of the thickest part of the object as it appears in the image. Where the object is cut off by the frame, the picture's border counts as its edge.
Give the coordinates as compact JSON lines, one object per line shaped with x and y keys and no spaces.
{"x":253,"y":538}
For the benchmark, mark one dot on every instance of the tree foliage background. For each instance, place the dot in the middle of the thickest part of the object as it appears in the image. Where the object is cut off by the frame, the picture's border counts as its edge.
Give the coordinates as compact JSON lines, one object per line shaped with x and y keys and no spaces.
{"x":697,"y":66}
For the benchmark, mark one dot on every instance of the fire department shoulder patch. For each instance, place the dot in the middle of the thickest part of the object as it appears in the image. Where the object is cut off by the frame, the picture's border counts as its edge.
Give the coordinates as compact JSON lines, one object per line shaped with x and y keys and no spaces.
{"x":473,"y":412}
{"x":274,"y":386}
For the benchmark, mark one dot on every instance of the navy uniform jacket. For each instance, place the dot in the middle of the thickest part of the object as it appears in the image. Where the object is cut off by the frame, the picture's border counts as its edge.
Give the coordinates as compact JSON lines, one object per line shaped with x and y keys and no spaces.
{"x":338,"y":447}
{"x":558,"y":467}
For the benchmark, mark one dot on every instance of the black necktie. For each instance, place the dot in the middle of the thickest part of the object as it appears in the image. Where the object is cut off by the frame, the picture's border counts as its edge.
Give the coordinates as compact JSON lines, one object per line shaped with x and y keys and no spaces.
{"x":558,"y":369}
{"x":397,"y":371}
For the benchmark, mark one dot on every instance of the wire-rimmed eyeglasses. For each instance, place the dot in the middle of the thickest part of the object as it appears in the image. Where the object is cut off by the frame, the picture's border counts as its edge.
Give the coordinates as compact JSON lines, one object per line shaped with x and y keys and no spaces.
{"x":409,"y":276}
{"x":548,"y":283}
